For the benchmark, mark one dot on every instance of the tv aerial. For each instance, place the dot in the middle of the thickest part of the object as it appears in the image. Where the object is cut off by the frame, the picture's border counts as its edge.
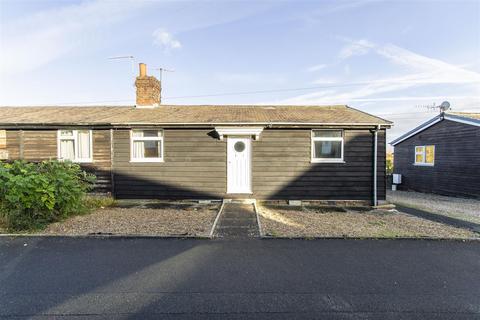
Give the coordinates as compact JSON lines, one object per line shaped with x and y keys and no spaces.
{"x":161,"y":70}
{"x":443,"y":107}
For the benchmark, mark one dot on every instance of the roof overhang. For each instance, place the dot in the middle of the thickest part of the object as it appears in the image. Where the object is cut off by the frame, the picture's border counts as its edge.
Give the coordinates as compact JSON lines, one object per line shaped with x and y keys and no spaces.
{"x":458,"y":118}
{"x":239,"y":131}
{"x":433,"y":121}
{"x":50,"y":125}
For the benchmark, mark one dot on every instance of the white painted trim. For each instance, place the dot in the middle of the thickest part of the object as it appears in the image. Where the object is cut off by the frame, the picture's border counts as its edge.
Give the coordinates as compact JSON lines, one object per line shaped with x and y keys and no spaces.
{"x":75,"y":145}
{"x":239,"y":131}
{"x":431,"y":122}
{"x":458,"y":118}
{"x":146,"y":160}
{"x":326,"y":160}
{"x":418,"y":129}
{"x":424,"y":154}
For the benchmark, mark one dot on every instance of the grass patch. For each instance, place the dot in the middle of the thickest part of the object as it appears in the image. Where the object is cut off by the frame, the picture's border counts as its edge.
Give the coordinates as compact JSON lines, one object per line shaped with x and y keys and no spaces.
{"x":97,"y":202}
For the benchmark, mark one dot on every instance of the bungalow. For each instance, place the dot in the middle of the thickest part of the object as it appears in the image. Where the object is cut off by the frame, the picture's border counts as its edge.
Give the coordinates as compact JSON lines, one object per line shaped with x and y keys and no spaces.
{"x":441,"y":156}
{"x":152,"y":150}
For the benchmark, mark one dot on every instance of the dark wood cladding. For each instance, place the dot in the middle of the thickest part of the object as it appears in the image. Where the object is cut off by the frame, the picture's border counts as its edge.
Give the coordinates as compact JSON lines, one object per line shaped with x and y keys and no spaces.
{"x":195,"y":167}
{"x":457,"y":160}
{"x":282,"y":167}
{"x":39,"y":145}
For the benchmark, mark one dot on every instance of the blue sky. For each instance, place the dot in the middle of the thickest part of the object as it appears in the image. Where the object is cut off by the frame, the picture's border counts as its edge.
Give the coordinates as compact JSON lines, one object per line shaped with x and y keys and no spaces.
{"x":389,"y":58}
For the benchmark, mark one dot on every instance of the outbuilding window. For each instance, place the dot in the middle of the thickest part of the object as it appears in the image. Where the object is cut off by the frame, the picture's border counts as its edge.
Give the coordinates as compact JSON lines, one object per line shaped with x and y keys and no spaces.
{"x":75,"y":145}
{"x":424,"y":155}
{"x":146,"y":146}
{"x":327,"y":145}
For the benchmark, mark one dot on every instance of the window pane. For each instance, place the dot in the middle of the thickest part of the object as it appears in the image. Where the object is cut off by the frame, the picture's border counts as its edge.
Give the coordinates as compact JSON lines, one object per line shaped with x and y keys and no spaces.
{"x":150,"y":133}
{"x":327,"y":133}
{"x":419,"y":158}
{"x":83,"y":144}
{"x":429,"y":154}
{"x":138,"y":150}
{"x":66,"y":133}
{"x":67,"y":150}
{"x":152,"y":149}
{"x":137,"y":133}
{"x":328,"y":149}
{"x":418,"y":149}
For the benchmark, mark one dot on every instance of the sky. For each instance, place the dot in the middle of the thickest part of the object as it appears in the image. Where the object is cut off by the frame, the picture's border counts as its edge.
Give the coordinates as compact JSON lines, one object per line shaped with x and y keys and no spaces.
{"x":394,"y":59}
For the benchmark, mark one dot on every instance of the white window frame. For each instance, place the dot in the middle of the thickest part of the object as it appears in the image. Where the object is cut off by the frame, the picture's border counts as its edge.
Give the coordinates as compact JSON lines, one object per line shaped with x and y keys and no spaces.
{"x":327,"y":160}
{"x":424,"y":156}
{"x":132,"y":139}
{"x":75,"y":145}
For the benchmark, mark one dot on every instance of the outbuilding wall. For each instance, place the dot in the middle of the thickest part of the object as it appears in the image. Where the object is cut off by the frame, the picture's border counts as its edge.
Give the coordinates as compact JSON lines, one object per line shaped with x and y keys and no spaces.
{"x":456,"y":169}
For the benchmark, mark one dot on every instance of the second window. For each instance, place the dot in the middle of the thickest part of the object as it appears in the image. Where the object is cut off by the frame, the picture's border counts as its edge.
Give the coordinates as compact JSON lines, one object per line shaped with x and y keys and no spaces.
{"x":147,"y":146}
{"x":327,"y":145}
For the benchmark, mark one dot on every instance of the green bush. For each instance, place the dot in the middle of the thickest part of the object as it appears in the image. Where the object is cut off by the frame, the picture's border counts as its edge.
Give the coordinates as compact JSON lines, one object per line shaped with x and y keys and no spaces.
{"x":35,"y":194}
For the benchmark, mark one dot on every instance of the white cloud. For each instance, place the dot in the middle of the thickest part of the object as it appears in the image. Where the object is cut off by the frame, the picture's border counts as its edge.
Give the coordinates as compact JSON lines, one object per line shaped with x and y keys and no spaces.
{"x":420,"y":71}
{"x":320,"y":81}
{"x":355,"y":48}
{"x":43,"y":37}
{"x":164,"y":39}
{"x":317,"y":67}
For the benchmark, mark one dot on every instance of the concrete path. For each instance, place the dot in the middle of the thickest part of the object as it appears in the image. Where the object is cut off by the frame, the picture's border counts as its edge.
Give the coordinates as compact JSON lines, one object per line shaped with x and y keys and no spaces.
{"x":237,"y":221}
{"x":67,"y":278}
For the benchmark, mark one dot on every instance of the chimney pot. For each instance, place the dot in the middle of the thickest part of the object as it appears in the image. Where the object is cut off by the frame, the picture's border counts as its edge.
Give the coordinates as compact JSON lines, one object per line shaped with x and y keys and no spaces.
{"x":143,"y":70}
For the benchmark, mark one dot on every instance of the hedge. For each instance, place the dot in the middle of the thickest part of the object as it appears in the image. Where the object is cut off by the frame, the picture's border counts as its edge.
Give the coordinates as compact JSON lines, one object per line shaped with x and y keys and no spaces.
{"x":35,"y":194}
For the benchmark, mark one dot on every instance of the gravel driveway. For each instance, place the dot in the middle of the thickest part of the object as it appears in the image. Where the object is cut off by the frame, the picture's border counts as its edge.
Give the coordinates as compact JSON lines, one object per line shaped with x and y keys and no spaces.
{"x":317,"y":221}
{"x":459,"y":208}
{"x":159,"y":218}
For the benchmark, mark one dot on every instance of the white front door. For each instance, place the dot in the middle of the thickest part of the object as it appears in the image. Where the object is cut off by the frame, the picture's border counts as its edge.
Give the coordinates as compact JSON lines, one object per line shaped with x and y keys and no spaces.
{"x":239,"y":165}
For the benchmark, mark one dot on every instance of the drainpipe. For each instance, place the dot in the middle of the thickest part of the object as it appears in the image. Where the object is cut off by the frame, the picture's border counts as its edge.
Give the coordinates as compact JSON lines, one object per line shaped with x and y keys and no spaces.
{"x":112,"y":174}
{"x":375,"y":156}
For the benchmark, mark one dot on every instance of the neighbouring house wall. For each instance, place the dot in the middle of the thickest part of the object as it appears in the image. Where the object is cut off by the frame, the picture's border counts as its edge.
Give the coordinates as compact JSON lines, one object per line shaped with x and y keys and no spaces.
{"x":457,"y":160}
{"x":195,"y":167}
{"x":38,"y":145}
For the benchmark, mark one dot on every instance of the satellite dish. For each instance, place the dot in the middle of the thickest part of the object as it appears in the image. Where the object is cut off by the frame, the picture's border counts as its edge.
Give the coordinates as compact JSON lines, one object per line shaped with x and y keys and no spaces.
{"x":444,"y":106}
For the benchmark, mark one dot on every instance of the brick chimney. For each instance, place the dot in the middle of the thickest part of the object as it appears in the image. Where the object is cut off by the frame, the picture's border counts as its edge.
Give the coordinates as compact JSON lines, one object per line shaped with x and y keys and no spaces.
{"x":148,"y":89}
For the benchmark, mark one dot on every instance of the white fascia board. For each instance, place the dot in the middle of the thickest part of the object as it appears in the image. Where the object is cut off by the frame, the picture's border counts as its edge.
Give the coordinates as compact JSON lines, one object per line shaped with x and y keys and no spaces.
{"x":457,"y":118}
{"x":418,"y":129}
{"x":433,"y":121}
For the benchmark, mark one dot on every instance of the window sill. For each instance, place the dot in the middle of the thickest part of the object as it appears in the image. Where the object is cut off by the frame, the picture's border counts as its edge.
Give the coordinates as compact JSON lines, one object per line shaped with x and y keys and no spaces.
{"x":146,"y":161}
{"x":424,"y":164}
{"x":327,"y":161}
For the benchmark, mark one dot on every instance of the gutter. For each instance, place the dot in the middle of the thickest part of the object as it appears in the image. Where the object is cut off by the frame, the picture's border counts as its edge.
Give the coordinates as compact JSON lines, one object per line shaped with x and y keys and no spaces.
{"x":199,"y":124}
